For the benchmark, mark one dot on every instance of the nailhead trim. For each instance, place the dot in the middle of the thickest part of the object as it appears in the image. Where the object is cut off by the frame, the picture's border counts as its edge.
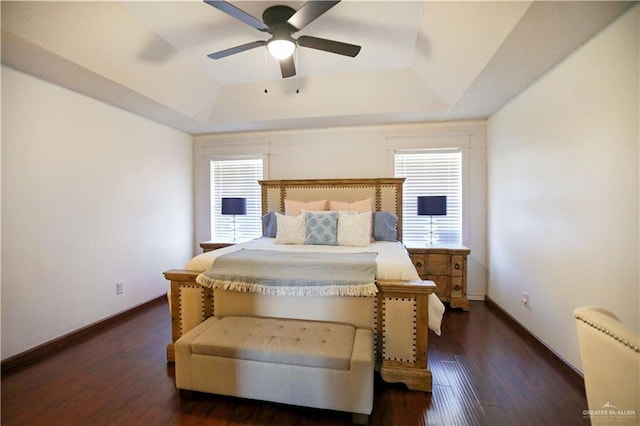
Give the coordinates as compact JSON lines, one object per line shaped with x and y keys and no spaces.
{"x":180,"y":303}
{"x":609,"y":333}
{"x":384,"y":355}
{"x":375,"y":327}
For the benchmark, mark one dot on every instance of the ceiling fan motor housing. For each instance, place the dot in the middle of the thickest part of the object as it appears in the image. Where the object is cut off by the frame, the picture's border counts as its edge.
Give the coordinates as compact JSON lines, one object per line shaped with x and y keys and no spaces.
{"x":276,"y":16}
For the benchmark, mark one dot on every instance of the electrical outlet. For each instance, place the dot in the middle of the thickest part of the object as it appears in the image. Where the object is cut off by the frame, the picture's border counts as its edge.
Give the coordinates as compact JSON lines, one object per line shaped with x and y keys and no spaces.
{"x":119,"y":287}
{"x":525,"y":299}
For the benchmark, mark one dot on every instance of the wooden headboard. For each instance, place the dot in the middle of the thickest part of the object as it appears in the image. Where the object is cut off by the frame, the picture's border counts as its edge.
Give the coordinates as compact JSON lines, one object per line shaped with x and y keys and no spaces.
{"x":386,"y":193}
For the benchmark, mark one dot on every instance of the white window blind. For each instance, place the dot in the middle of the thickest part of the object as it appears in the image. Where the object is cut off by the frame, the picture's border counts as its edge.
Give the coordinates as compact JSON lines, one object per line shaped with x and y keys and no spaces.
{"x":236,"y":178}
{"x":431,"y":172}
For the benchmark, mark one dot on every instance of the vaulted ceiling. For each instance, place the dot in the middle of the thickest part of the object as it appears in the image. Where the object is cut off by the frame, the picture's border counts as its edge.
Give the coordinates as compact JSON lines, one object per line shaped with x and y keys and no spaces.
{"x":420,"y":60}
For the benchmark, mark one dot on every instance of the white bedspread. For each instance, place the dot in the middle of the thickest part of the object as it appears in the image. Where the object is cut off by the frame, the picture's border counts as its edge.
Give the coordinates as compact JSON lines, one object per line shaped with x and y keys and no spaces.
{"x":393,"y":263}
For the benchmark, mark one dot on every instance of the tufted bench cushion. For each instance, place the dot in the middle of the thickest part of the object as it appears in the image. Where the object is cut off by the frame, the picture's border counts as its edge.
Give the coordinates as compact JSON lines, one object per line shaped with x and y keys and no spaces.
{"x":293,"y":342}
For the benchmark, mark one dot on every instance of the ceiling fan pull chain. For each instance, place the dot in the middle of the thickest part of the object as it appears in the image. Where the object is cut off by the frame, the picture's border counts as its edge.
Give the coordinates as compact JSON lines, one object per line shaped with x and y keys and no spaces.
{"x":297,"y":74}
{"x":266,"y":79}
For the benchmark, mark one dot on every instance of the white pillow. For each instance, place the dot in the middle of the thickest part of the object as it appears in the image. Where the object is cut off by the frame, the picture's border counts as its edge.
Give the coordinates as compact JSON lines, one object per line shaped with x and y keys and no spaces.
{"x":354,"y":229}
{"x":291,"y":229}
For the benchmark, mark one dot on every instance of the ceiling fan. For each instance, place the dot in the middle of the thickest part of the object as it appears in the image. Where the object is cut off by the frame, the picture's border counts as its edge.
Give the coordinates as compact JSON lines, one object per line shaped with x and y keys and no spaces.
{"x":281,"y":22}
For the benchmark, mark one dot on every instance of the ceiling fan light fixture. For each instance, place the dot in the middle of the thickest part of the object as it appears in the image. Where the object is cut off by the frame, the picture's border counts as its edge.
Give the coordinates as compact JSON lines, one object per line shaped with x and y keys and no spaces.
{"x":281,"y":48}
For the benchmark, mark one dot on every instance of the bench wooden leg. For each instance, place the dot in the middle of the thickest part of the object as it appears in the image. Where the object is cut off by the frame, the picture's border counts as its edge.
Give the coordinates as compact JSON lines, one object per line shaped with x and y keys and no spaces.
{"x":359,"y":419}
{"x":185,"y":394}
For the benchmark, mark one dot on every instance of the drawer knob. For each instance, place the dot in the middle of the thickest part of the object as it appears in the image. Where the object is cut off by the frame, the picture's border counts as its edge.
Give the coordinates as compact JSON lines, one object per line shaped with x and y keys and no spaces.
{"x":456,"y":288}
{"x":419,"y":264}
{"x":457,"y":266}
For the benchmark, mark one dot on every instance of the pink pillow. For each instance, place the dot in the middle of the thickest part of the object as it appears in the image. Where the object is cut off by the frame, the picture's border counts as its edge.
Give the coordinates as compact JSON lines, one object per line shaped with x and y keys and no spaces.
{"x":294,"y":208}
{"x":356,"y":206}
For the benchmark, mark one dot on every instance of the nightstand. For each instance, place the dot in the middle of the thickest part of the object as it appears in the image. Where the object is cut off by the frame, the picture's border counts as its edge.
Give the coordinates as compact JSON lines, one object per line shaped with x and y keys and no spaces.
{"x":445,"y":265}
{"x":213,"y":245}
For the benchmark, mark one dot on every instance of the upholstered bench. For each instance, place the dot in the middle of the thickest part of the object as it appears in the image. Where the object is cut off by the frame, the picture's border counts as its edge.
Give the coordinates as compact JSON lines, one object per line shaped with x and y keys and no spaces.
{"x":308,"y":363}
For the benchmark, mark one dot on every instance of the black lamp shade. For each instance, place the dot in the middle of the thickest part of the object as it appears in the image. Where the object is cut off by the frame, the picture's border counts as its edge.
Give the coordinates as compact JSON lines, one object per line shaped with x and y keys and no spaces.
{"x":435,"y":205}
{"x":234,"y":206}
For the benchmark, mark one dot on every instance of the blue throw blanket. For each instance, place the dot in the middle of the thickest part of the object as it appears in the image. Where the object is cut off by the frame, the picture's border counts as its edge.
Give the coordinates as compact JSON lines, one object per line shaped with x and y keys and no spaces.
{"x":284,"y":273}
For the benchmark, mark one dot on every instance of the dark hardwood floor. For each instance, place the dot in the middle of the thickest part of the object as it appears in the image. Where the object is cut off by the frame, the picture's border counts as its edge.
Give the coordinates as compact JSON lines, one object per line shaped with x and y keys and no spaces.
{"x":486,"y":371}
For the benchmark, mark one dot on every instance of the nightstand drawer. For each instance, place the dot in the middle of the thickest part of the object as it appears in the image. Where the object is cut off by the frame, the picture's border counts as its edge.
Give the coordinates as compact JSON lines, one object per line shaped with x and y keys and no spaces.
{"x":437,"y":264}
{"x":442,"y":285}
{"x":456,"y":287}
{"x":457,"y":266}
{"x":419,"y":263}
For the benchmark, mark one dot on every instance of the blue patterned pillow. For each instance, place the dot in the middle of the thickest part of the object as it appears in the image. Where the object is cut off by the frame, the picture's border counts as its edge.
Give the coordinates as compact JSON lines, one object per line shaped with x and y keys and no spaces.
{"x":322,"y":228}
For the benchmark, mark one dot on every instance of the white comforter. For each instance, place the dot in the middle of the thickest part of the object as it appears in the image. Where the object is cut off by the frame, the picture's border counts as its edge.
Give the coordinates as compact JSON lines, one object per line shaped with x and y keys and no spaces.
{"x":392,"y":260}
{"x":393,"y":263}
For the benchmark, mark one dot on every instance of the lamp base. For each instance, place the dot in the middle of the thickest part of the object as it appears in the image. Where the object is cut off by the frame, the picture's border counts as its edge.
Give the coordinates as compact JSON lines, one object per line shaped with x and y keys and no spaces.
{"x":234,"y":240}
{"x":430,"y":233}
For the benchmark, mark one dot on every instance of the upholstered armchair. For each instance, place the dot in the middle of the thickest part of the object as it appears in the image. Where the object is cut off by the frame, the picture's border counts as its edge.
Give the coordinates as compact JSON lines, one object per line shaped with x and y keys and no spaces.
{"x":610,"y":355}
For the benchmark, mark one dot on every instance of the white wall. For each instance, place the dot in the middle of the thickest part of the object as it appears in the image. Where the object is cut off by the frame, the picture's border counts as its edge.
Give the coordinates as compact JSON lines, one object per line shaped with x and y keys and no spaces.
{"x":563,"y":191}
{"x":357,"y":152}
{"x":91,"y":195}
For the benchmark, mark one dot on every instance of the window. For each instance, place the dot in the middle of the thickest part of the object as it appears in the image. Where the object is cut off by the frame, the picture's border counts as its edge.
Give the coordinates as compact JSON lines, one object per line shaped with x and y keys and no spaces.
{"x":236,"y":178}
{"x":431,"y":172}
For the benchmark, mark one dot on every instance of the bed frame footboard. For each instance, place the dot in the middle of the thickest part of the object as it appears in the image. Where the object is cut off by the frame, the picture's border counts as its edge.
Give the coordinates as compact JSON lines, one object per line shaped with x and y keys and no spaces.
{"x":402,"y":336}
{"x":400,"y":324}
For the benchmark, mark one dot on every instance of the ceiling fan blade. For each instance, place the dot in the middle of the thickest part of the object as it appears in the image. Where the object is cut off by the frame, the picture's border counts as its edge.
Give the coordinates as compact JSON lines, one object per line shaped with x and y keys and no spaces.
{"x":329,"y":45}
{"x":240,"y":14}
{"x":237,"y":49}
{"x":309,"y":12}
{"x":287,"y":67}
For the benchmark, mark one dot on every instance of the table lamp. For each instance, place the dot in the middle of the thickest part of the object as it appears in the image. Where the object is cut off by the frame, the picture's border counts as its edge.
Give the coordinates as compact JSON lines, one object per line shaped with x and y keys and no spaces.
{"x":234,"y":207}
{"x":433,"y":205}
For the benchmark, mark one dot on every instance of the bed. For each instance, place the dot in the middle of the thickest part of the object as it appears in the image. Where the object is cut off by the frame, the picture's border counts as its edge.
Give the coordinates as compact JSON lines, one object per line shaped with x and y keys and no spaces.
{"x":399,"y":310}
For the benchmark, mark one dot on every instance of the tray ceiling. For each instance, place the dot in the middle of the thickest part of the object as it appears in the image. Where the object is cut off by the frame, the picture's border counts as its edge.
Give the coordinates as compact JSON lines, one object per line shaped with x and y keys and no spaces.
{"x":420,"y":61}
